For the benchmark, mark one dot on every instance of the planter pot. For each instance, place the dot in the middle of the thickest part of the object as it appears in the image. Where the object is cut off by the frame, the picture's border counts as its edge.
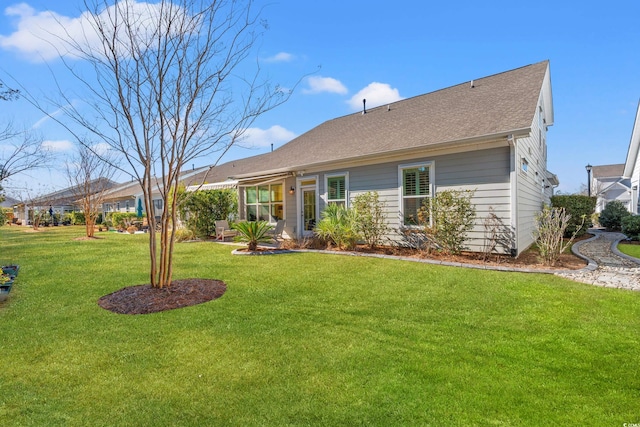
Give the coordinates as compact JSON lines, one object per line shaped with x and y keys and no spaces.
{"x":11,"y":270}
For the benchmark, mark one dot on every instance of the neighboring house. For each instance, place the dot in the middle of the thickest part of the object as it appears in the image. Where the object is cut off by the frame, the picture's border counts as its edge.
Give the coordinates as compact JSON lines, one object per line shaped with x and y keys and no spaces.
{"x":128,"y":197}
{"x":487,"y":135}
{"x":60,"y":202}
{"x":632,"y":165}
{"x":608,"y":184}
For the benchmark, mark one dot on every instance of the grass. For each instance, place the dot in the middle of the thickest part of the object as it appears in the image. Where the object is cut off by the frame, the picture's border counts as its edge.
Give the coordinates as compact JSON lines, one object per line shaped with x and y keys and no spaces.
{"x":308,"y":339}
{"x":631,"y":250}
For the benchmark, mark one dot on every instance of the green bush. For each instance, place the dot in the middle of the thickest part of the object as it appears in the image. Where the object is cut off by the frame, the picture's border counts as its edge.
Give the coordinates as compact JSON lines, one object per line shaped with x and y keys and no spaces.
{"x":578,"y":207}
{"x":3,"y":216}
{"x":201,"y":209}
{"x":77,"y":218}
{"x":631,"y":226}
{"x":122,"y":220}
{"x":370,"y":221}
{"x":452,"y":216}
{"x":338,"y":226}
{"x":612,"y":215}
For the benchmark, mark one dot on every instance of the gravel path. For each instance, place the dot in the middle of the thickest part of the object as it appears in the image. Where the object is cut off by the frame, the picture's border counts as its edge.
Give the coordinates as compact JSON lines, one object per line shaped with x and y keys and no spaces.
{"x":609,"y":267}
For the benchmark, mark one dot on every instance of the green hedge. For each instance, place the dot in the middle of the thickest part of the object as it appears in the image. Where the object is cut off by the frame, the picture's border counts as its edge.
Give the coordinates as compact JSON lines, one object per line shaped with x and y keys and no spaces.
{"x":121,"y":220}
{"x":631,"y":226}
{"x":578,"y":207}
{"x":201,"y":209}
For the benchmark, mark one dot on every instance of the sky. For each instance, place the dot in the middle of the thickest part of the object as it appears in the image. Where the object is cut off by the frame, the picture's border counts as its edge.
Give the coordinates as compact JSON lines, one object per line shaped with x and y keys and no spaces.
{"x":345,"y":51}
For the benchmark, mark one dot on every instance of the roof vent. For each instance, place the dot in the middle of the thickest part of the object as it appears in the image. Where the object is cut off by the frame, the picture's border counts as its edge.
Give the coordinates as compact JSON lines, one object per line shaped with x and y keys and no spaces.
{"x":472,"y":85}
{"x":364,"y":106}
{"x":389,"y":107}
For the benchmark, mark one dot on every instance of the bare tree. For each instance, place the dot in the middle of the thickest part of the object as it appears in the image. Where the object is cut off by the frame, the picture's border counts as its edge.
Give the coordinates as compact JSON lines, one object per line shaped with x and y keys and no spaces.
{"x":89,"y":178}
{"x":169,"y":87}
{"x":20,"y":150}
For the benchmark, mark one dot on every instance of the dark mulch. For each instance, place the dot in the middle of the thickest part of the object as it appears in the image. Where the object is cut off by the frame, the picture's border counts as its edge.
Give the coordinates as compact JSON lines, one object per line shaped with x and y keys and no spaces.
{"x":145,"y":299}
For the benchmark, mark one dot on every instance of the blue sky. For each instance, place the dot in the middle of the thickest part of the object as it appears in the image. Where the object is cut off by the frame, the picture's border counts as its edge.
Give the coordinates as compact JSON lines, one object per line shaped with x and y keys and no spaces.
{"x":392,"y":50}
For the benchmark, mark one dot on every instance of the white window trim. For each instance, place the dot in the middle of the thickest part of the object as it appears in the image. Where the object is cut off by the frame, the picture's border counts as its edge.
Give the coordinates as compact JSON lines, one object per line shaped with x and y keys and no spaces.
{"x":284,"y":200}
{"x":299,"y":188}
{"x":432,"y":168}
{"x":346,"y":187}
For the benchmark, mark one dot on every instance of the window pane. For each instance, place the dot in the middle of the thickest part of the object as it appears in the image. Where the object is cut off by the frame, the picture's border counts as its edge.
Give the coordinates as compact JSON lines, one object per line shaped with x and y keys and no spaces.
{"x":411,"y":209}
{"x":263,"y":194}
{"x":416,"y":181}
{"x":336,"y":188}
{"x":264,"y":212}
{"x":277,"y":211}
{"x":276,"y":193}
{"x":252,"y":214}
{"x":251,"y":194}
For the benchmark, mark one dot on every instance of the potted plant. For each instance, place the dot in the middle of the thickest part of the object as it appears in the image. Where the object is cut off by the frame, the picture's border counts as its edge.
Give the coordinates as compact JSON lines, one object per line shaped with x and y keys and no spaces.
{"x":11,"y":270}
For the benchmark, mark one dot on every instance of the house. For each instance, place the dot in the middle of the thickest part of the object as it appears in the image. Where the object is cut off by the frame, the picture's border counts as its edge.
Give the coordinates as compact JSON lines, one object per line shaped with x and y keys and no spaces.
{"x":128,"y":196}
{"x":608,"y":184}
{"x":59,"y":202}
{"x":631,"y":169}
{"x":487,"y":135}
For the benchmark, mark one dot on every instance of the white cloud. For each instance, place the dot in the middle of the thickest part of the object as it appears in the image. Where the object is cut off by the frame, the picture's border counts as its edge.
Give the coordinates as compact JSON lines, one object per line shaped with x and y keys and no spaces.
{"x":256,"y":137}
{"x":318,"y":84}
{"x":57,"y":146}
{"x":280,"y":57}
{"x":45,"y":35}
{"x":376,"y":94}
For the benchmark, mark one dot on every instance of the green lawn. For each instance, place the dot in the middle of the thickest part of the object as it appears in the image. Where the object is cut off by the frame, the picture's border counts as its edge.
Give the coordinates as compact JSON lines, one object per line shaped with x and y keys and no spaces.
{"x":631,"y":250}
{"x":308,"y":339}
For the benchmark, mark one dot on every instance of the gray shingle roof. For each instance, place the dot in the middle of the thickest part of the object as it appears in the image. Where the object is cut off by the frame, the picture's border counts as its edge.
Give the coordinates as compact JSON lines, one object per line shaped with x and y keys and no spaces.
{"x":496,"y":104}
{"x":608,"y":171}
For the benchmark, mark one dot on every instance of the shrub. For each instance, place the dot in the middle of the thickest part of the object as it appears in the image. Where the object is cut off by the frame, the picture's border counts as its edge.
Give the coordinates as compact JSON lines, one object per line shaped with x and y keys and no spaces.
{"x":370,"y":221}
{"x":3,"y":216}
{"x":183,"y":234}
{"x":77,"y":218}
{"x":631,"y":226}
{"x":577,"y":207}
{"x":338,"y":226}
{"x":551,"y":226}
{"x":452,"y":216}
{"x":122,"y":220}
{"x":612,"y":215}
{"x":201,"y":209}
{"x":252,"y":233}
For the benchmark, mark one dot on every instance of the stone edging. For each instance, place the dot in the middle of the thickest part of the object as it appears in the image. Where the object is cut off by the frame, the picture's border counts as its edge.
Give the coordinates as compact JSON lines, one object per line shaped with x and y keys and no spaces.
{"x":616,"y":251}
{"x":592,"y":266}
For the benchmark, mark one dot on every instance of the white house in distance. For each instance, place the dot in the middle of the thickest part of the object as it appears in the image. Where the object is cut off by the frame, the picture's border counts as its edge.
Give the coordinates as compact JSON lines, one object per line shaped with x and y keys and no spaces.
{"x":631,"y":169}
{"x":608,"y":184}
{"x":487,"y":135}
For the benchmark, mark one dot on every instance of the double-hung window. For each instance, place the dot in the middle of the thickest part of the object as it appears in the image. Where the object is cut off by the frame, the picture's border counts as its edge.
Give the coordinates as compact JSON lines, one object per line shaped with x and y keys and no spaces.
{"x":337,"y":189}
{"x":264,"y":203}
{"x":416,"y":190}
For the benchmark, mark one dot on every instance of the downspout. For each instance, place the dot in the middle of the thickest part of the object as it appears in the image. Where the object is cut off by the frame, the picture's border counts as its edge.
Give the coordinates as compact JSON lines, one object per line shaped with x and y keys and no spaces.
{"x":513,"y":196}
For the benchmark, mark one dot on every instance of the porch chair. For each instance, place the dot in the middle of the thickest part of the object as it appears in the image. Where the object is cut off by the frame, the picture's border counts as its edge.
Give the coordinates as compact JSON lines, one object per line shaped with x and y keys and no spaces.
{"x":223,"y":230}
{"x":276,"y":232}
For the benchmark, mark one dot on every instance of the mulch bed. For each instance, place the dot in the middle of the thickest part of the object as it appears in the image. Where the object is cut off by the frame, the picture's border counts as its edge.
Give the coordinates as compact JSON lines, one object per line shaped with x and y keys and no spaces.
{"x":145,"y":299}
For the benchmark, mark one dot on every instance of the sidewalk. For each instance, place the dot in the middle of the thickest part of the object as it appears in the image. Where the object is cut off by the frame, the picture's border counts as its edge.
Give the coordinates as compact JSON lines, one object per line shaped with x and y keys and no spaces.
{"x":614,"y":269}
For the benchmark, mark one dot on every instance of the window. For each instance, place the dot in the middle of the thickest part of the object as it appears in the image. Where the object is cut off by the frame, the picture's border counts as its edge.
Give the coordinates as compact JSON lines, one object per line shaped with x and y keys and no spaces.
{"x":126,"y":206}
{"x":525,"y":165}
{"x":264,"y":203}
{"x":416,"y":189}
{"x":337,"y":189}
{"x":158,"y":204}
